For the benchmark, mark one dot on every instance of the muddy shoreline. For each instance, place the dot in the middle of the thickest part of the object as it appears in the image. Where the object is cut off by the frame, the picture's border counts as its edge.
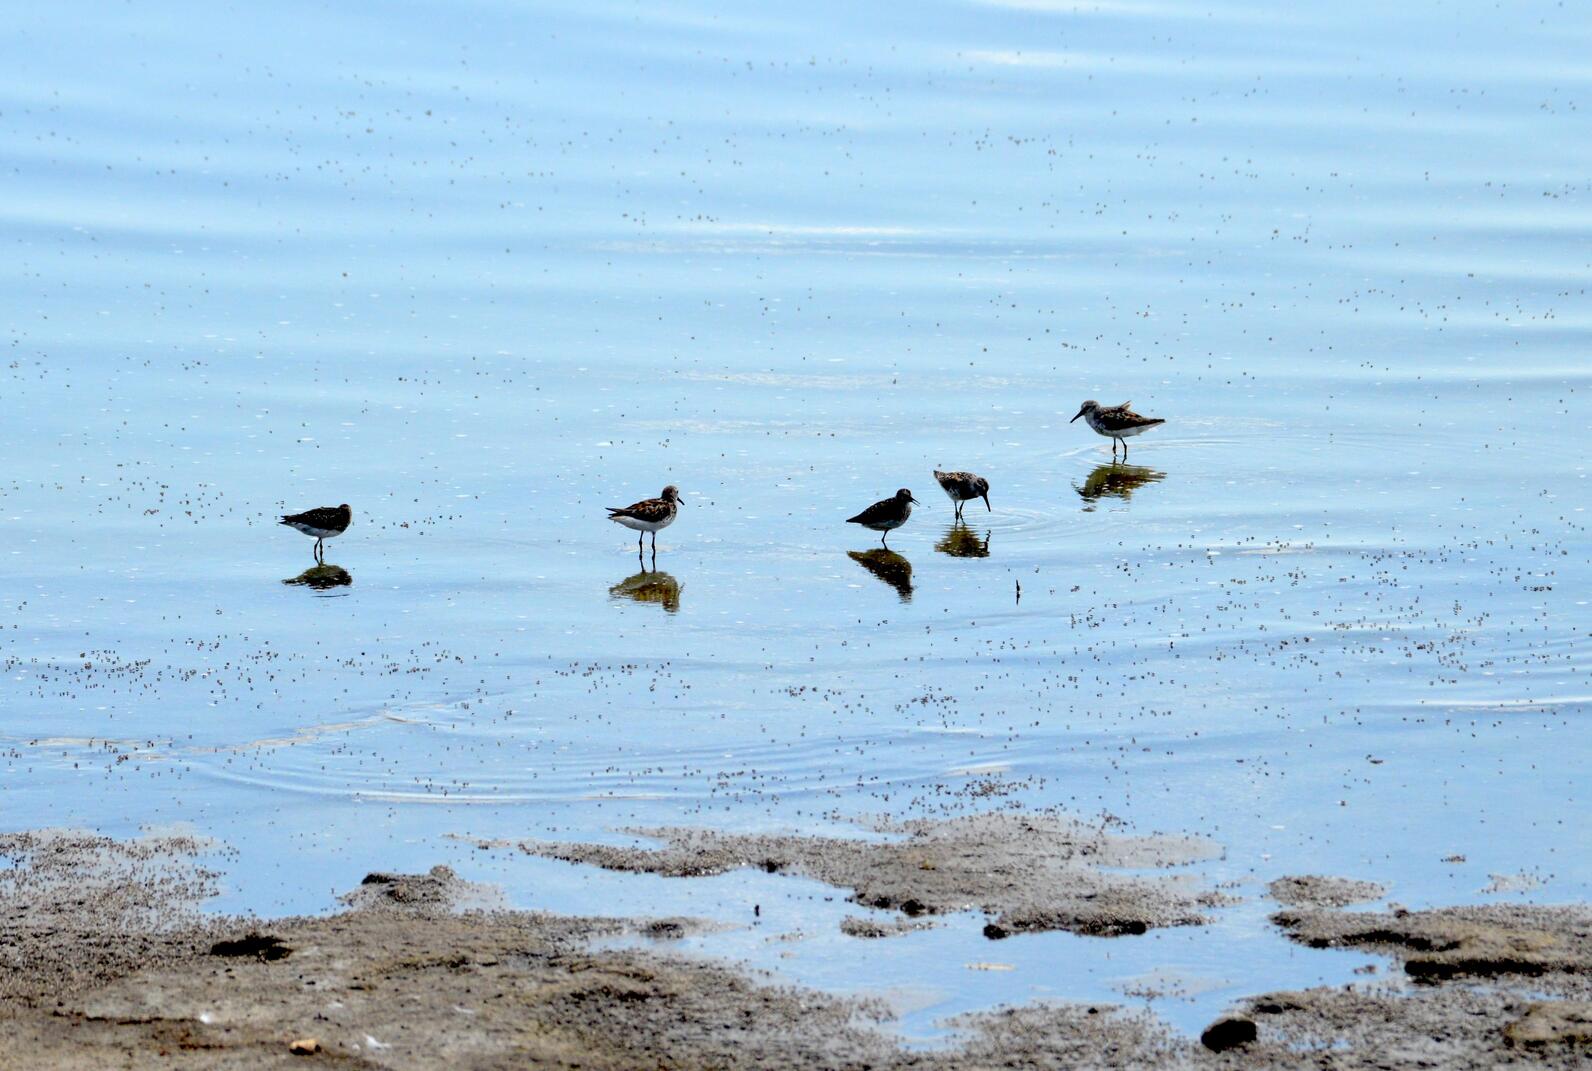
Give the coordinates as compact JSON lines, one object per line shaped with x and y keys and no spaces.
{"x":106,"y":960}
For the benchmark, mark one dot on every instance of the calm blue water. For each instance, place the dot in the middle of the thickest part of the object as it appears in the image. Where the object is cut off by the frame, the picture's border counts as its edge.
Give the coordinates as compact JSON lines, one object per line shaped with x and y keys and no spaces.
{"x":480,"y":269}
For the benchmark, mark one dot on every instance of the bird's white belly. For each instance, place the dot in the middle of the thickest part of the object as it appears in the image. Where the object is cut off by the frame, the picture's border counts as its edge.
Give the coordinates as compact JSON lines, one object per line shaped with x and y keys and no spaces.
{"x":642,"y":526}
{"x":318,"y":533}
{"x":956,"y":496}
{"x":884,"y":526}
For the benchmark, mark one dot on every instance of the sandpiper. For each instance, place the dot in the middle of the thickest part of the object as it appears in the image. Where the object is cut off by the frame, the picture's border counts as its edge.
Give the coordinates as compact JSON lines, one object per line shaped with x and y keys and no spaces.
{"x":1116,"y":423}
{"x":327,"y":522}
{"x":649,"y":516}
{"x":962,"y":487}
{"x":887,"y":514}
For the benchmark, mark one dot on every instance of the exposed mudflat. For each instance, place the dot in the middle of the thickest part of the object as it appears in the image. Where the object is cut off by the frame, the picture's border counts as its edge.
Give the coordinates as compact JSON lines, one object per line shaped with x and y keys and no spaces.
{"x":1552,"y":945}
{"x":857,"y":926}
{"x":1453,"y":1026}
{"x":1028,"y":871}
{"x":78,"y":909}
{"x":109,"y":964}
{"x":1317,"y":890}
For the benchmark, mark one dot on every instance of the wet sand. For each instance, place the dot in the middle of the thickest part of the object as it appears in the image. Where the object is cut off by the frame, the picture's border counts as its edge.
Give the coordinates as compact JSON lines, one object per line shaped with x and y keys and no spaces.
{"x":108,"y":962}
{"x":1030,"y":871}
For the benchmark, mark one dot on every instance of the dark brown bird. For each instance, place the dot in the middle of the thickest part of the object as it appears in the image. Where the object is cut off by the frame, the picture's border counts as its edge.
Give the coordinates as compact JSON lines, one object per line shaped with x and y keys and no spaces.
{"x":887,"y":514}
{"x":962,"y":487}
{"x":1117,"y":423}
{"x":648,"y":515}
{"x":327,"y":522}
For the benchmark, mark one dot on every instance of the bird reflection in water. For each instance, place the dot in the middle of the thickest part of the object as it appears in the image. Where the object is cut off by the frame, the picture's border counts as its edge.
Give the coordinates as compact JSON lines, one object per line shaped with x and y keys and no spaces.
{"x":960,"y":541}
{"x":322,"y":577}
{"x":649,"y":586}
{"x":1116,"y":481}
{"x":888,"y":566}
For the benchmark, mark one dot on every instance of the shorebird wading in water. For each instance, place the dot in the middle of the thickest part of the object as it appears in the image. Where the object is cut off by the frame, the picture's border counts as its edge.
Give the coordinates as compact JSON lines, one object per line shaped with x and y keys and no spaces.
{"x":962,"y":487}
{"x":327,"y":522}
{"x":887,"y":514}
{"x":1117,"y":423}
{"x":649,"y":516}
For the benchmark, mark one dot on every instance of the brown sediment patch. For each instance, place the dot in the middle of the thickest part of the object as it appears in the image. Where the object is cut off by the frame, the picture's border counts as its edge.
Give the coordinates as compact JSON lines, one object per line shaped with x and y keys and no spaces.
{"x":437,"y":890}
{"x":1316,"y":890}
{"x":409,"y":981}
{"x":1553,"y":1024}
{"x":397,"y":988}
{"x":404,"y":979}
{"x":1456,"y":1026}
{"x":857,"y":926}
{"x":1031,"y":870}
{"x":386,"y":988}
{"x":1062,"y":1036}
{"x":1475,"y":942}
{"x":116,"y":905}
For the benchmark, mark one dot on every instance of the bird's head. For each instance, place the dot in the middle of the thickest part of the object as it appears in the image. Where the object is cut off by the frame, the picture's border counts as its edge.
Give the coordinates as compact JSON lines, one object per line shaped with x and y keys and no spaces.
{"x":1086,"y":407}
{"x":904,"y":495}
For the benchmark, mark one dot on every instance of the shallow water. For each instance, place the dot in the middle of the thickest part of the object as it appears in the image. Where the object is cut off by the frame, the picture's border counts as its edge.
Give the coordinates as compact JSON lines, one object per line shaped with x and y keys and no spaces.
{"x":481,"y":269}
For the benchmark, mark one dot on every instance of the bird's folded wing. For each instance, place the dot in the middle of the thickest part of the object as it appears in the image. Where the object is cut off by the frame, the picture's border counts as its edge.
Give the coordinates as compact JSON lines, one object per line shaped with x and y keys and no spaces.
{"x":653,"y":509}
{"x":324,"y":517}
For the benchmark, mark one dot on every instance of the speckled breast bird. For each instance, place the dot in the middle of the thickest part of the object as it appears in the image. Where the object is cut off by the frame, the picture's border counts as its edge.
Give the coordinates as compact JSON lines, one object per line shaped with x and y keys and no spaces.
{"x":649,"y":515}
{"x":962,"y":487}
{"x":1117,"y":423}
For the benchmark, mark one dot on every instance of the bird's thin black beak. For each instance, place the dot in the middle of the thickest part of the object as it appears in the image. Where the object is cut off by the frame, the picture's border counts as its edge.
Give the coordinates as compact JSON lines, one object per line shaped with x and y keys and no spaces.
{"x":986,"y":503}
{"x":1076,"y":415}
{"x":914,"y":501}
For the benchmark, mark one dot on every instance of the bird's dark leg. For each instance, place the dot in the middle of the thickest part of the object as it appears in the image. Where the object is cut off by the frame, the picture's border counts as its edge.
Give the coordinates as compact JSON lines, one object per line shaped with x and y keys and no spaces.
{"x":883,"y":537}
{"x":1124,"y":449}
